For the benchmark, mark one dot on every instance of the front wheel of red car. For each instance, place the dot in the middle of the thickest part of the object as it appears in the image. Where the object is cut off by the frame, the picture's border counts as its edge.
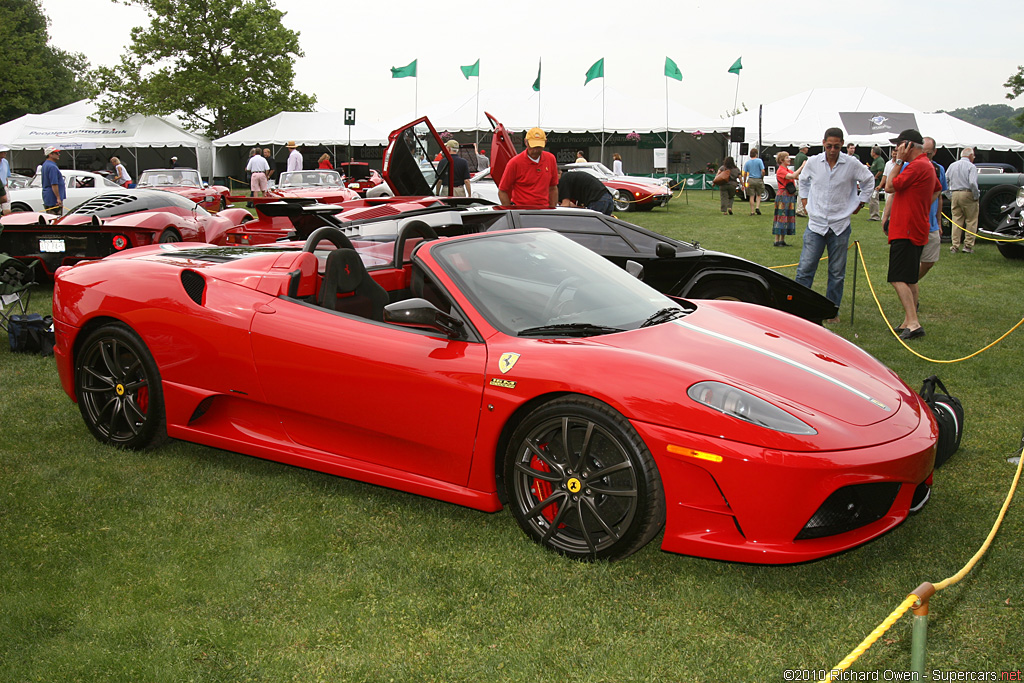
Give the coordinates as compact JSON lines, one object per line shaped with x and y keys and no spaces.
{"x":621,"y":200}
{"x":118,"y":388}
{"x":580,"y":481}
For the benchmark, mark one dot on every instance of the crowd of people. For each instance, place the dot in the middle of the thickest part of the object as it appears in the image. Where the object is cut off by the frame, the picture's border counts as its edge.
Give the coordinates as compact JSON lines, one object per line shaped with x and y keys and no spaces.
{"x":830,"y":187}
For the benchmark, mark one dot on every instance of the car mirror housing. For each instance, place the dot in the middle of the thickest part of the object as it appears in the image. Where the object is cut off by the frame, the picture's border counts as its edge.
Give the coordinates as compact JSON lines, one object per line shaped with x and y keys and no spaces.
{"x":422,"y":313}
{"x":635,"y":269}
{"x":664,"y":250}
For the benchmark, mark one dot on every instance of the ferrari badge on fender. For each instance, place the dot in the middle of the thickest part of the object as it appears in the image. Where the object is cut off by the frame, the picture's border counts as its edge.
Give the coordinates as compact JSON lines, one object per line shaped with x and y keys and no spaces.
{"x":507,"y":361}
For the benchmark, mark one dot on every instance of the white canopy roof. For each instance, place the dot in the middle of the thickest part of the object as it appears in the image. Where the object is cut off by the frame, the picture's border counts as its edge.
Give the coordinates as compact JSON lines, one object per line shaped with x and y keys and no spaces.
{"x":304,"y":128}
{"x":69,"y":127}
{"x":568,"y":109}
{"x":803,"y":118}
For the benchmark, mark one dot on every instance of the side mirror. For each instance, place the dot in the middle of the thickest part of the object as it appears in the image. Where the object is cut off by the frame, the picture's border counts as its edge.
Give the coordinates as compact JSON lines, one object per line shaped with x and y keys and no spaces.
{"x":422,"y":313}
{"x":664,"y":250}
{"x":635,"y":269}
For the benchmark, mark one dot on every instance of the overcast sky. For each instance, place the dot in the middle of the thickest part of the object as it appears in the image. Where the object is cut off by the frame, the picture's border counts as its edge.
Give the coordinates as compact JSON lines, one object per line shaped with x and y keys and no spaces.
{"x":936,"y":55}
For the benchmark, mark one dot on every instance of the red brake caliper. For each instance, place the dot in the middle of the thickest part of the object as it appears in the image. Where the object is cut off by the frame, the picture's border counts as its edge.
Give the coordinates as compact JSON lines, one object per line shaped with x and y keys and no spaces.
{"x":542,"y":489}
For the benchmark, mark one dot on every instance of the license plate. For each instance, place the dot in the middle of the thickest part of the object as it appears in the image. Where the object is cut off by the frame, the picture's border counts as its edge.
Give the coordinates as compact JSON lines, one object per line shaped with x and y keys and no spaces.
{"x":51,"y":246}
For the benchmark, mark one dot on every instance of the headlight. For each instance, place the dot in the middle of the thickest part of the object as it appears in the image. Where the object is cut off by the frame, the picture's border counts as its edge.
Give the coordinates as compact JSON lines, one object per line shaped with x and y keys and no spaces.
{"x":747,"y":407}
{"x":1020,"y":197}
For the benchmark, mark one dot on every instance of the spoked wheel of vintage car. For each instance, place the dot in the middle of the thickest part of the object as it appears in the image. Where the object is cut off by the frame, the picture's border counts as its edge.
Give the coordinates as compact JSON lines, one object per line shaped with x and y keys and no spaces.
{"x":581,"y":482}
{"x":620,"y":199}
{"x":118,"y":389}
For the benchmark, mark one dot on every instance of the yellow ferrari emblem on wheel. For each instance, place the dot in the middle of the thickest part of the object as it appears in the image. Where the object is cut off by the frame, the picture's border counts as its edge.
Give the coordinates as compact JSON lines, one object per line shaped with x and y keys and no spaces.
{"x":507,"y":361}
{"x":119,"y":389}
{"x":574,"y":485}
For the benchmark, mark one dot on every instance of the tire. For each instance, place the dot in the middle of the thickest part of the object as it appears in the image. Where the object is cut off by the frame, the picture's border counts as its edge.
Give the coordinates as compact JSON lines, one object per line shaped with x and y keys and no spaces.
{"x":768,"y":195}
{"x":990,"y":210}
{"x":223,"y":202}
{"x":169,"y":235}
{"x":620,"y":201}
{"x":729,"y":290}
{"x":118,"y":388}
{"x":18,"y":207}
{"x":581,"y":482}
{"x":1011,"y":250}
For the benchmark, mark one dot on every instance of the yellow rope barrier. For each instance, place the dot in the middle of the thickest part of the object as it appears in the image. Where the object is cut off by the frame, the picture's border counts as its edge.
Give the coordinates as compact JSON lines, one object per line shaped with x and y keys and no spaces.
{"x":990,"y":239}
{"x":912,"y":599}
{"x":881,"y":311}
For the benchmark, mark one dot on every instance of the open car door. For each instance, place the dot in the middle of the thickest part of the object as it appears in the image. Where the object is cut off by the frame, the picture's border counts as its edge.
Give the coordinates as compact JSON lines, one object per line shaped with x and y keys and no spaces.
{"x":502,"y":149}
{"x":409,"y":166}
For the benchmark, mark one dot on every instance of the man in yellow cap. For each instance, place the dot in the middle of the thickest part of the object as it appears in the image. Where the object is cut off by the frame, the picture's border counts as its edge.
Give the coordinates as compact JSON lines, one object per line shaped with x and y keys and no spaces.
{"x":531,"y":177}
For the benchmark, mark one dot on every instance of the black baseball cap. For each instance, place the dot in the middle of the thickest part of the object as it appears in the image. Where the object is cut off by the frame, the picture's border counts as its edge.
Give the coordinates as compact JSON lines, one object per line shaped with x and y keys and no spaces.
{"x":909,"y":135}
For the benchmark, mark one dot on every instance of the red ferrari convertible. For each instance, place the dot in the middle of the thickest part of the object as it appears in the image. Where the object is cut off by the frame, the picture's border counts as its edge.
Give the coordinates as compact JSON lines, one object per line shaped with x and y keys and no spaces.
{"x":109,"y":223}
{"x":187,"y":183}
{"x":509,"y":368}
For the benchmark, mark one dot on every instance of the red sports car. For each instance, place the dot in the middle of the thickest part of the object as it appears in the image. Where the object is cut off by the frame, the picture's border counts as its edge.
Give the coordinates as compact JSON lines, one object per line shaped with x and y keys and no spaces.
{"x":325,"y":186}
{"x":361,"y":178}
{"x":510,"y":368}
{"x":187,"y":183}
{"x":109,"y":223}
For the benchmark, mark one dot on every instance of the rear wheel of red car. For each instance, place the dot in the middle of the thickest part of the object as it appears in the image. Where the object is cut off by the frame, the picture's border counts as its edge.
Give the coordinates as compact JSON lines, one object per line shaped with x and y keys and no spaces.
{"x":580,"y":481}
{"x":169,"y":235}
{"x":118,"y":388}
{"x":621,"y":201}
{"x":223,"y":202}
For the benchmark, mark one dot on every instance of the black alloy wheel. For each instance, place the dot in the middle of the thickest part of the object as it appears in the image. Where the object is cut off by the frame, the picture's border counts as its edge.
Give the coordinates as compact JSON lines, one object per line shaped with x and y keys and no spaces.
{"x":118,"y":389}
{"x":169,"y":235}
{"x":580,"y":481}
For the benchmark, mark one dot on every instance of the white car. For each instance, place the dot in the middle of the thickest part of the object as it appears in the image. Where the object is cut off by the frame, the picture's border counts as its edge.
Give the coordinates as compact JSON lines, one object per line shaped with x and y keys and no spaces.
{"x":482,"y":186}
{"x":602,"y":172}
{"x":80,"y":185}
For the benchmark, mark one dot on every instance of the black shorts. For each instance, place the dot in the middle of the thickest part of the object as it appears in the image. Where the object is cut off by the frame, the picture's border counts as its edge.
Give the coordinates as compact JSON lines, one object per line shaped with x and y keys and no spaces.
{"x":904,"y":261}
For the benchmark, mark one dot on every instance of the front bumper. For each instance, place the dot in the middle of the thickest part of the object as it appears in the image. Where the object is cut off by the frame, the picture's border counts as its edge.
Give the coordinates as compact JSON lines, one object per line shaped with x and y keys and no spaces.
{"x":770,"y":507}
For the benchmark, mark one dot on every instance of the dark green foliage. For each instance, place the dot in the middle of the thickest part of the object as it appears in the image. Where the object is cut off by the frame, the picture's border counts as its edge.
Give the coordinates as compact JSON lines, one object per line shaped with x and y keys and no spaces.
{"x":998,"y":118}
{"x":220,"y":65}
{"x":35,"y":76}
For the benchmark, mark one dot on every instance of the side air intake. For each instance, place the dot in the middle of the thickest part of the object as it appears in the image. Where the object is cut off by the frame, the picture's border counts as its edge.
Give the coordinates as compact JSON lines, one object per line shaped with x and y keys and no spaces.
{"x":194,"y":284}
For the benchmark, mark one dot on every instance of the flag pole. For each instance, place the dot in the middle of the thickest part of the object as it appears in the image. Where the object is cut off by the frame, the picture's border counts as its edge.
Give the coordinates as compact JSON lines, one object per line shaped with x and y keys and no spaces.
{"x":666,"y":123}
{"x":602,"y":119}
{"x":736,"y":99}
{"x":476,"y":121}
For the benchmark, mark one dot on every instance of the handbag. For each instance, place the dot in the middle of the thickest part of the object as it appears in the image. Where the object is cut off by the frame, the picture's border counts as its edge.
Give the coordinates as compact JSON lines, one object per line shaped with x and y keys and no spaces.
{"x":949,"y":415}
{"x":723,"y":176}
{"x":31,"y":333}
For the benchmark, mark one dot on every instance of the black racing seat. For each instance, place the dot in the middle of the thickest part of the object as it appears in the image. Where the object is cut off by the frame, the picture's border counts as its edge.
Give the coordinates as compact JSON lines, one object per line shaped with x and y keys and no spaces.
{"x":346,"y":274}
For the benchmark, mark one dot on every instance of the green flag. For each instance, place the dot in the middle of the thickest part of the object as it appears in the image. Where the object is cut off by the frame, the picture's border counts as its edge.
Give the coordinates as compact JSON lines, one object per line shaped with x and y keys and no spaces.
{"x":471,"y":70}
{"x":596,"y":71}
{"x":404,"y":71}
{"x":736,"y":66}
{"x":536,"y":83}
{"x":671,"y":70}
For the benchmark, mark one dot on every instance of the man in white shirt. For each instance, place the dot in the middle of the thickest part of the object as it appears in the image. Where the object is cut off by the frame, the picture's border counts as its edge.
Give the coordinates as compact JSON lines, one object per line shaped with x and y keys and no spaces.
{"x":294,"y":158}
{"x":962,"y":176}
{"x":258,"y":167}
{"x":830,"y":181}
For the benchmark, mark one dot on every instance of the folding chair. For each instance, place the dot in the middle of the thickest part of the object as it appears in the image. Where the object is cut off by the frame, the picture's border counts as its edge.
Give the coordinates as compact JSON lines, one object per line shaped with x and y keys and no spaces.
{"x":15,"y":280}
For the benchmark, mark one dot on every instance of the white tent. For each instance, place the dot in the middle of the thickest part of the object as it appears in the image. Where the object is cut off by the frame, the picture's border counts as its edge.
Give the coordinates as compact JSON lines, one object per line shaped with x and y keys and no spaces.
{"x":71,"y":128}
{"x":569,"y":109}
{"x":803,"y":118}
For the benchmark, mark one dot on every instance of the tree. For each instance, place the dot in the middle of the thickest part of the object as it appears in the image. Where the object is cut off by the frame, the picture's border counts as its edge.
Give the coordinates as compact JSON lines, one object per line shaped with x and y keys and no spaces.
{"x":1016,"y":85}
{"x":219,"y":65}
{"x":36,"y":77}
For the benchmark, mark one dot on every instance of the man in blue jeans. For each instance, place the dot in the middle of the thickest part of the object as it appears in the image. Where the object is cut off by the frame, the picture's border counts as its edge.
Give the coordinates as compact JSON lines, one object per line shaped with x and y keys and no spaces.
{"x":828,"y":193}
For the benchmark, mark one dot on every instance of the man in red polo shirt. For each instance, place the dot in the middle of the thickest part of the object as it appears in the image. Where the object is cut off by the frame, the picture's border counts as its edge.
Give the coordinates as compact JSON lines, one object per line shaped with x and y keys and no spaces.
{"x":531,"y":177}
{"x":913,"y":186}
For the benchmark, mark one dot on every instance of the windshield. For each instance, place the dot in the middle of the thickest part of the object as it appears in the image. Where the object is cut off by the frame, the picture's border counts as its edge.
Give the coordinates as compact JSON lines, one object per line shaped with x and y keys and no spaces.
{"x":309,"y":179}
{"x":72,"y":179}
{"x":170,"y":177}
{"x":524,"y":282}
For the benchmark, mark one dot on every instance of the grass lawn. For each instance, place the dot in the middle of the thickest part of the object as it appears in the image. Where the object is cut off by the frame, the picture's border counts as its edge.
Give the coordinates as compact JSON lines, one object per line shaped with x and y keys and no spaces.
{"x":194,"y":564}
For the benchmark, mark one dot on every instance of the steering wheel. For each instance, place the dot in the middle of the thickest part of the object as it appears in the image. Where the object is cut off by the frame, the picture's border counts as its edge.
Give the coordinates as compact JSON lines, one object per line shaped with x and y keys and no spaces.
{"x":411,"y":229}
{"x":553,"y":304}
{"x":330,"y":233}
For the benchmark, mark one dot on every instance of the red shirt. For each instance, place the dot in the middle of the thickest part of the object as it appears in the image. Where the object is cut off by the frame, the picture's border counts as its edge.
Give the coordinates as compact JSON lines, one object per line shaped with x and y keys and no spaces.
{"x":326,"y":164}
{"x":914,"y":187}
{"x":529,"y":183}
{"x":780,"y":176}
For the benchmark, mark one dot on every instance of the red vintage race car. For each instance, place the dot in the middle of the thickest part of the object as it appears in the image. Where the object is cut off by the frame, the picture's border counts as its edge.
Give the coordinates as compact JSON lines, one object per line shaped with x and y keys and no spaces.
{"x":627,"y":194}
{"x":325,"y":186}
{"x":187,"y":183}
{"x":509,"y":368}
{"x":109,"y":223}
{"x":362,"y":179}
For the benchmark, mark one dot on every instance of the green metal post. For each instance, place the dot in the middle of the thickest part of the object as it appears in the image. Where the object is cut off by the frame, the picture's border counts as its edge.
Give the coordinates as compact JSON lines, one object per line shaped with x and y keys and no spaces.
{"x":919,"y":643}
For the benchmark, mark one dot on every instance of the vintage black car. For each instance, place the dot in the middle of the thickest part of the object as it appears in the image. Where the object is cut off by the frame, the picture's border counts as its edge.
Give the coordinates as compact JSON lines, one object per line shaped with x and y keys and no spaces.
{"x":1009,"y":233}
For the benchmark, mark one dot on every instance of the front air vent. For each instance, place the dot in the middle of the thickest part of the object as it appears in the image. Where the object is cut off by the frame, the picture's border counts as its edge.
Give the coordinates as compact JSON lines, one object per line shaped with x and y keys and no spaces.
{"x":194,"y":284}
{"x":849,"y":508}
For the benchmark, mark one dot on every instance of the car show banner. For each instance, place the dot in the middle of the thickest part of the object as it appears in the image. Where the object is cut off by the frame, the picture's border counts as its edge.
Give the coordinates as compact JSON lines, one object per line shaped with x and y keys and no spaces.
{"x":871,"y":123}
